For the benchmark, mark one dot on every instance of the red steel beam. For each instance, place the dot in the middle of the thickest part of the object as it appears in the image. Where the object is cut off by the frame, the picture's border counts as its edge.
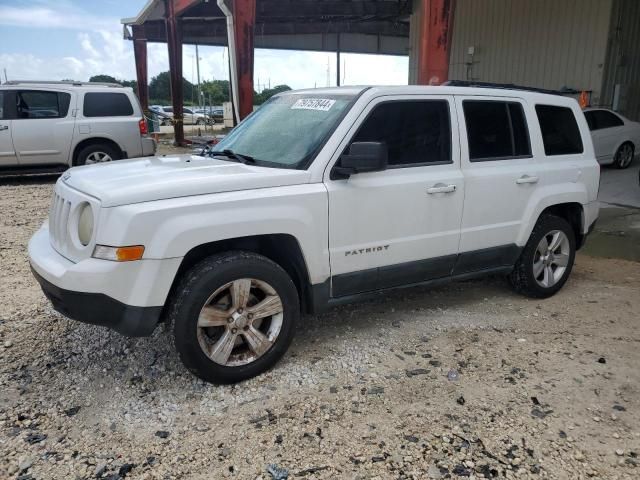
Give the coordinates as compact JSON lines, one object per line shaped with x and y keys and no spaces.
{"x":174,"y":46}
{"x":436,"y":28}
{"x":181,"y":5}
{"x":244,"y":16}
{"x":140,"y":55}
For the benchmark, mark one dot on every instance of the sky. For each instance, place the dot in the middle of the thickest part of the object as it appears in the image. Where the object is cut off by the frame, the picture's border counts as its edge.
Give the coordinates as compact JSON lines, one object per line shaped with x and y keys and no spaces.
{"x":75,"y":39}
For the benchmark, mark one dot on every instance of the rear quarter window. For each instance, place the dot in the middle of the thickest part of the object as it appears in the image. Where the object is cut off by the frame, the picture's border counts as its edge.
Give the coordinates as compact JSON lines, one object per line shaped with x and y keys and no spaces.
{"x":560,"y":132}
{"x":107,"y":104}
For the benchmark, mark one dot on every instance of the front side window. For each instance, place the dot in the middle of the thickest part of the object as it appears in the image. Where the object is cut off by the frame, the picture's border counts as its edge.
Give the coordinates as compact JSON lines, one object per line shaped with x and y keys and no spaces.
{"x":600,"y":119}
{"x":560,"y":132}
{"x":107,"y":104}
{"x":287,"y":130}
{"x":416,"y":132}
{"x":31,"y":104}
{"x":496,"y":130}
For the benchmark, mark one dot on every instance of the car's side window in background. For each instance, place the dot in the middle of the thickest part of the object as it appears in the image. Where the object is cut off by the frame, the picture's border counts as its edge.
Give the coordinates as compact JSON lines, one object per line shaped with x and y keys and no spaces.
{"x":604,"y":119}
{"x":1,"y":105}
{"x":417,"y":132}
{"x":560,"y":132}
{"x":32,"y":104}
{"x":98,"y":104}
{"x":496,"y":130}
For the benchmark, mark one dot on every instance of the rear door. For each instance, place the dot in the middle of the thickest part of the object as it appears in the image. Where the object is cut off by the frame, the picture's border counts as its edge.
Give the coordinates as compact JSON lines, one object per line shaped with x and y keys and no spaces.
{"x":43,"y":126}
{"x":400,"y":225}
{"x":7,"y":152}
{"x":500,"y":177}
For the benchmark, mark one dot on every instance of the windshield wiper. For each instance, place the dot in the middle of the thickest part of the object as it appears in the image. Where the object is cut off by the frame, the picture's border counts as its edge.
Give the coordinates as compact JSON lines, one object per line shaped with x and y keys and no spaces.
{"x":246,"y":159}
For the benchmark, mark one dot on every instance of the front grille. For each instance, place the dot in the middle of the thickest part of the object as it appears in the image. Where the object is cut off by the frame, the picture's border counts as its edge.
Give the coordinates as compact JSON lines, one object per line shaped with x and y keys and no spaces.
{"x":58,"y":223}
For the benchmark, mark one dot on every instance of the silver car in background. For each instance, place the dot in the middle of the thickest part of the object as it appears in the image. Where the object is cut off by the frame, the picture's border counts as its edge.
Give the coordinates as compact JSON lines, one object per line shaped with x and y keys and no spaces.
{"x":616,"y":139}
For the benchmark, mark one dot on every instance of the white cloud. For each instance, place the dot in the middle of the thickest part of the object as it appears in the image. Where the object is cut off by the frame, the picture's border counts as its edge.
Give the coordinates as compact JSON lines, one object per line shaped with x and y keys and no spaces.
{"x":62,"y":17}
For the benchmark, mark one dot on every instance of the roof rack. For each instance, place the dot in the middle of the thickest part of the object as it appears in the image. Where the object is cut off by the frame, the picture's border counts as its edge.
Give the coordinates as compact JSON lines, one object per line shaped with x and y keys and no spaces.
{"x":63,"y":82}
{"x":509,"y":86}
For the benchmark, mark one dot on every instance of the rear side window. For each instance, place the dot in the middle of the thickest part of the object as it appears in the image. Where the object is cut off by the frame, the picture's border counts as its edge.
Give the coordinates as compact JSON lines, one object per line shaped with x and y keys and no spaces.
{"x":599,"y":119}
{"x":416,"y":132}
{"x":560,"y":132}
{"x":1,"y":105}
{"x":32,"y":104}
{"x":496,"y":130}
{"x":107,"y":104}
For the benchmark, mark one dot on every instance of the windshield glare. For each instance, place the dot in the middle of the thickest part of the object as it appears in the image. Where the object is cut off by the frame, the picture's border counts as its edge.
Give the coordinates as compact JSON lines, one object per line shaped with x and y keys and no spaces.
{"x":287,"y":130}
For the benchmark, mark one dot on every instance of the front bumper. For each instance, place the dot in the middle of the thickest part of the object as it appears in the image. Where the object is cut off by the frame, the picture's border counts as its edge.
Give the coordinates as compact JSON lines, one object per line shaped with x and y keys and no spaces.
{"x":127,"y":297}
{"x":100,"y":309}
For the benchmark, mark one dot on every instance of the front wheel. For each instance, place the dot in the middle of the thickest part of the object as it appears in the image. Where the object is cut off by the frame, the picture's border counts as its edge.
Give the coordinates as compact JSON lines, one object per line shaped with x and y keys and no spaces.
{"x":234,"y":316}
{"x":547,"y":259}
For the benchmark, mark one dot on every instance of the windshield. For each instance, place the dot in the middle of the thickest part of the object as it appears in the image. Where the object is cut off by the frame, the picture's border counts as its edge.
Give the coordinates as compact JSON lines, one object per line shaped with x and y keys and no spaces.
{"x":287,"y":130}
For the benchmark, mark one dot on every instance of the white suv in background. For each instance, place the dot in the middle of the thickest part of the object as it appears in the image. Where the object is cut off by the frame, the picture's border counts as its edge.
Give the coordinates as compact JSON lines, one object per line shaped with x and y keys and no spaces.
{"x":49,"y":126}
{"x":321,"y":197}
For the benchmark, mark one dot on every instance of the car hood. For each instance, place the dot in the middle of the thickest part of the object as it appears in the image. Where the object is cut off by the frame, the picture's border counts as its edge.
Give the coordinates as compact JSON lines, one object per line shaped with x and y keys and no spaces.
{"x":156,"y":178}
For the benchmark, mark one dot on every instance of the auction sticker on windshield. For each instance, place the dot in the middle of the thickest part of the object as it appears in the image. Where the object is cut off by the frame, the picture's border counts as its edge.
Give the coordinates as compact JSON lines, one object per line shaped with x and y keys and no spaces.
{"x":322,"y":104}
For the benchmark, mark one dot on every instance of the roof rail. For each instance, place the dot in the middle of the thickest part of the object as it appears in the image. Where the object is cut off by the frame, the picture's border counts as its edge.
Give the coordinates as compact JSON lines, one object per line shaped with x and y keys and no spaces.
{"x":63,"y":82}
{"x":509,"y":86}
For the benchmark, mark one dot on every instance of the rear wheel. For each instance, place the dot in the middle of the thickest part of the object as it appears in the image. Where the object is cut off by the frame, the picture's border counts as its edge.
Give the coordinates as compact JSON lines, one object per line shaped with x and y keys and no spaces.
{"x":624,"y":156}
{"x":234,"y":316}
{"x":97,"y":153}
{"x":547,"y":259}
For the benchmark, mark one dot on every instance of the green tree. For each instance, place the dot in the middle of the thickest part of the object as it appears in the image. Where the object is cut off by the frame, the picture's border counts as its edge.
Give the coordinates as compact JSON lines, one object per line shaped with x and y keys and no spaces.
{"x":215,"y":91}
{"x":160,"y":89}
{"x":267,"y":93}
{"x":104,"y":79}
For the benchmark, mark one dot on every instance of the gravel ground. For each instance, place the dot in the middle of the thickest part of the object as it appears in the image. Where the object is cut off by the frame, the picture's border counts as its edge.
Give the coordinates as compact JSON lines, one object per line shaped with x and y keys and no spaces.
{"x":544,"y":389}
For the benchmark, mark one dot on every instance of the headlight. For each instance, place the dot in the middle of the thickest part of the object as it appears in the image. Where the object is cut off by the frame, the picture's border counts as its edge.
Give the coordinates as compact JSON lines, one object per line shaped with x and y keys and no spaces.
{"x":85,"y":224}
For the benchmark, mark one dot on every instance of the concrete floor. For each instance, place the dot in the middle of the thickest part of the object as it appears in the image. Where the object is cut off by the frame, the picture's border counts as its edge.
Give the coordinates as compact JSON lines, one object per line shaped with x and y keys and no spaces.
{"x":617,"y":233}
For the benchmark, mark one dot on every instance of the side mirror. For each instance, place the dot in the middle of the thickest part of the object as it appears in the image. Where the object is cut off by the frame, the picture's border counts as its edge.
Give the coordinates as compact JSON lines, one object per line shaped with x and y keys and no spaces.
{"x":362,"y":157}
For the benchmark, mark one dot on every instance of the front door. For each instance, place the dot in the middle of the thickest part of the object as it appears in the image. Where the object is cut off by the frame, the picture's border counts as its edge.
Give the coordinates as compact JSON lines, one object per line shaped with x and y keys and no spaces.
{"x":43,"y":127}
{"x":7,"y":152}
{"x":401,"y":225}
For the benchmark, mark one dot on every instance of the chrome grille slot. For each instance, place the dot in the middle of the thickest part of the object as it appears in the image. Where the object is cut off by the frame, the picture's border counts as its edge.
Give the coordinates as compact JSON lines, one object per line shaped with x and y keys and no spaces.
{"x":63,"y":238}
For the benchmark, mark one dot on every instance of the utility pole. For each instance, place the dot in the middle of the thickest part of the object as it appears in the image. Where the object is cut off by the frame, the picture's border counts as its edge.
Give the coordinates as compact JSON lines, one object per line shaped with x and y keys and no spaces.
{"x":5,"y":76}
{"x":198,"y":73}
{"x":338,"y":60}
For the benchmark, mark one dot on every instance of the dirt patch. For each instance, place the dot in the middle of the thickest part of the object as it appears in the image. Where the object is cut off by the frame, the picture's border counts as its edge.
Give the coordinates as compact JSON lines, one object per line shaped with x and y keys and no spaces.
{"x":467,"y":379}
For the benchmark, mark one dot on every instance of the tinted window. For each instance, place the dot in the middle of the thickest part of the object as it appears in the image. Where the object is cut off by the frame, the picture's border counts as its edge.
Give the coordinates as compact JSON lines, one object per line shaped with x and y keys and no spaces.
{"x":599,"y":119}
{"x":41,"y":104}
{"x":560,"y":132}
{"x":98,"y":104}
{"x":1,"y":105}
{"x":496,"y":130}
{"x":416,"y":132}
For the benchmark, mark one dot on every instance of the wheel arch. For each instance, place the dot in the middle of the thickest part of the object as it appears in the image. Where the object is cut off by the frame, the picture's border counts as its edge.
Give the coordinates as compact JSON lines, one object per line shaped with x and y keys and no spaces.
{"x":283,"y":249}
{"x":94,"y":141}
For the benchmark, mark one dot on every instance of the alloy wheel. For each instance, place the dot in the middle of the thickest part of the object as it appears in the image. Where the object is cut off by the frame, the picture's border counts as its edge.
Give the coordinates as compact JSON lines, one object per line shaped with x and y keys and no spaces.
{"x":551,"y":258}
{"x":240,"y":322}
{"x":98,"y":157}
{"x":624,"y":156}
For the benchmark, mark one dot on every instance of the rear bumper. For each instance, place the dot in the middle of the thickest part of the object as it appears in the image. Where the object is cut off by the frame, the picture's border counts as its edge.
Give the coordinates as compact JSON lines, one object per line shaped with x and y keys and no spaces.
{"x":100,"y":309}
{"x":148,"y":146}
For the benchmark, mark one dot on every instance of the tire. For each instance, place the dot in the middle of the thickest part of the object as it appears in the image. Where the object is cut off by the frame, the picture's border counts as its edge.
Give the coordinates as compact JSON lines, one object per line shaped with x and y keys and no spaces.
{"x":624,"y":156}
{"x":523,"y":278}
{"x":97,"y":153}
{"x":197,"y":293}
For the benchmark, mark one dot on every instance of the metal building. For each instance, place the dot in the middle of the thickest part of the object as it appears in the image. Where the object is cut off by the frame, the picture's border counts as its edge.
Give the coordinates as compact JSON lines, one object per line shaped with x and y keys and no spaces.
{"x":586,"y":45}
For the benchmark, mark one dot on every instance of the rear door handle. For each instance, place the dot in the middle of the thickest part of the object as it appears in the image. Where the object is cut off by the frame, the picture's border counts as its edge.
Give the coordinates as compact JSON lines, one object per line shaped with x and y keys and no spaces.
{"x":527,"y":179}
{"x":4,"y":127}
{"x":441,"y":188}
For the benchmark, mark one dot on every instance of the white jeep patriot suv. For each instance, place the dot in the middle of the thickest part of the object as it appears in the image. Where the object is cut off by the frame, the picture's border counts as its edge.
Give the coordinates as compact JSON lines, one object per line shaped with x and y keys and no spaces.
{"x":51,"y":126}
{"x":318,"y":198}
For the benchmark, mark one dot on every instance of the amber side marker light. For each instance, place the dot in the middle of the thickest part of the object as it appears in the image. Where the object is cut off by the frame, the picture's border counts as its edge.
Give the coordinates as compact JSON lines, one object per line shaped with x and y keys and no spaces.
{"x":119,"y":254}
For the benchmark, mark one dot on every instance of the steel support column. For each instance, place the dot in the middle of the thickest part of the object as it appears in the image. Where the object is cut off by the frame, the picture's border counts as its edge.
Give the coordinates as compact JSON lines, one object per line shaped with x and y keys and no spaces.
{"x":140,"y":55}
{"x":435,"y":28}
{"x":174,"y":45}
{"x":244,"y":14}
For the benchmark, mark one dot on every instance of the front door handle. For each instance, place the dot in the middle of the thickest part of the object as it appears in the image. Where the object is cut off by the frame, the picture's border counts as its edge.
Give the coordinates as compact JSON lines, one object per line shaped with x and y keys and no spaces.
{"x":441,"y":188}
{"x":4,"y":127}
{"x":527,"y":179}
